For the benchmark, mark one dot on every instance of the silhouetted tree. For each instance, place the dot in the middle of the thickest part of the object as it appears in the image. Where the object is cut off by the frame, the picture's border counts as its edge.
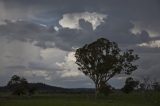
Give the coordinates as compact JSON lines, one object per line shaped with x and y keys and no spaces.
{"x":105,"y":88}
{"x":102,"y":60}
{"x":18,"y":85}
{"x":130,"y":85}
{"x":31,"y":90}
{"x":146,"y":83}
{"x":156,"y":86}
{"x":142,"y":87}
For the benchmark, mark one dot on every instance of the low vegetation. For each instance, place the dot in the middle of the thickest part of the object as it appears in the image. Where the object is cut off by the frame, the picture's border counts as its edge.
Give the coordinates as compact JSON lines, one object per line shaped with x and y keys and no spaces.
{"x":115,"y":99}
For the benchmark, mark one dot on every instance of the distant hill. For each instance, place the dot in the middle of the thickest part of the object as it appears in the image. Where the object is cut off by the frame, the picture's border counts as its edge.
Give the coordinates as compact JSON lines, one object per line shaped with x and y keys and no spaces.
{"x":44,"y":88}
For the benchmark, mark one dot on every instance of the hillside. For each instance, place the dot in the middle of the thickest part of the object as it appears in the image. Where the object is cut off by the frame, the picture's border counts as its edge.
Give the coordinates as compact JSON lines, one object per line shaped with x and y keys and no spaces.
{"x":44,"y":88}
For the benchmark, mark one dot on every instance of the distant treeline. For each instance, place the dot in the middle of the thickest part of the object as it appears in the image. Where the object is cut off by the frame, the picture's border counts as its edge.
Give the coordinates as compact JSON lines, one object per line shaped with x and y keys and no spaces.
{"x":44,"y":88}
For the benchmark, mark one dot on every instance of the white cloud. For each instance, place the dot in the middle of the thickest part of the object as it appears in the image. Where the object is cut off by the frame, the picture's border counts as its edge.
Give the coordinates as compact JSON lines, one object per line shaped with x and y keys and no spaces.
{"x":38,"y":73}
{"x":71,"y":20}
{"x":151,"y":44}
{"x":69,"y":67}
{"x":138,"y":27}
{"x":70,"y":57}
{"x":43,"y":25}
{"x":52,"y":54}
{"x":56,"y":28}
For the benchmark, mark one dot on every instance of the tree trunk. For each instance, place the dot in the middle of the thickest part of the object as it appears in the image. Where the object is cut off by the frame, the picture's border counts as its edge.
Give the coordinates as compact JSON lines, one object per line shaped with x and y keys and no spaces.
{"x":96,"y":90}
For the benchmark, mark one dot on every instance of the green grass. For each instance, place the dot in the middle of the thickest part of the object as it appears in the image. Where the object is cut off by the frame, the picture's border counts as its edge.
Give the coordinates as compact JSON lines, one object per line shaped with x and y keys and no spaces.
{"x":134,"y":99}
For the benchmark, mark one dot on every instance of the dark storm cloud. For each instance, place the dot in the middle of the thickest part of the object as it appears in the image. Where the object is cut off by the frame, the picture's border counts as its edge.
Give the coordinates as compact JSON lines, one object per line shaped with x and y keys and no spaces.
{"x":47,"y":37}
{"x":28,"y":32}
{"x":79,"y":36}
{"x":119,"y":30}
{"x":121,"y":15}
{"x":143,"y":10}
{"x":44,"y":37}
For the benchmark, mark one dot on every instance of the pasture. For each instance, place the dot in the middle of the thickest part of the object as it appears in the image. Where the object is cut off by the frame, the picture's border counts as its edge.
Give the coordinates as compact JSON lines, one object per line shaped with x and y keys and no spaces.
{"x":116,"y":99}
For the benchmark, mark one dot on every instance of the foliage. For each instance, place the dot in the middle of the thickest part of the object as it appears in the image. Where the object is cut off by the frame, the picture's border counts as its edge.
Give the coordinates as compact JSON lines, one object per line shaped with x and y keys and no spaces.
{"x":102,"y":60}
{"x":31,"y":90}
{"x":156,"y":86}
{"x":20,"y":86}
{"x":148,"y":84}
{"x":130,"y":85}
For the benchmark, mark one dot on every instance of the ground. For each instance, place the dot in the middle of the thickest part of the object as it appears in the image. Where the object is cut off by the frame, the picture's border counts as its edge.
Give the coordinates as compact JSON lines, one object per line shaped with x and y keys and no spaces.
{"x":117,"y":99}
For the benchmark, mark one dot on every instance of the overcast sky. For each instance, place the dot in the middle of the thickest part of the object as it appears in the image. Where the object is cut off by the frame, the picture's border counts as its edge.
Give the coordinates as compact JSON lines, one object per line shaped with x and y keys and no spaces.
{"x":38,"y":38}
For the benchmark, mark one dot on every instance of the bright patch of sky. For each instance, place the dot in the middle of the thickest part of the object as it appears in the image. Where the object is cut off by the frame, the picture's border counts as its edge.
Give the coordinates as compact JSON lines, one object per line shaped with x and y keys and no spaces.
{"x":71,"y":20}
{"x":151,"y":44}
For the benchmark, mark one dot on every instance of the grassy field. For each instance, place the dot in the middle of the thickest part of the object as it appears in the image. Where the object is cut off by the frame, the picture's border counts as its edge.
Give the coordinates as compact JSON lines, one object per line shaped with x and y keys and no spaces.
{"x":134,"y":99}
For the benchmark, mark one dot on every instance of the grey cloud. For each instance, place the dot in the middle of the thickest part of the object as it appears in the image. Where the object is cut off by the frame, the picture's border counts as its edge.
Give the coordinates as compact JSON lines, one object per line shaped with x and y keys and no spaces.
{"x":46,"y":37}
{"x":117,"y":26}
{"x":148,"y":66}
{"x":144,"y":11}
{"x":118,"y":30}
{"x":42,"y":66}
{"x":76,"y":37}
{"x":16,"y":67}
{"x":28,"y":32}
{"x":85,"y":25}
{"x":114,"y":28}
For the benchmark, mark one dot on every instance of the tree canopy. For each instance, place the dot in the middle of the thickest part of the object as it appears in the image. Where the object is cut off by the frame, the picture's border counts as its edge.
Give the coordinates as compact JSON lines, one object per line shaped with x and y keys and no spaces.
{"x":20,"y":86}
{"x":130,"y":85}
{"x":103,"y":59}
